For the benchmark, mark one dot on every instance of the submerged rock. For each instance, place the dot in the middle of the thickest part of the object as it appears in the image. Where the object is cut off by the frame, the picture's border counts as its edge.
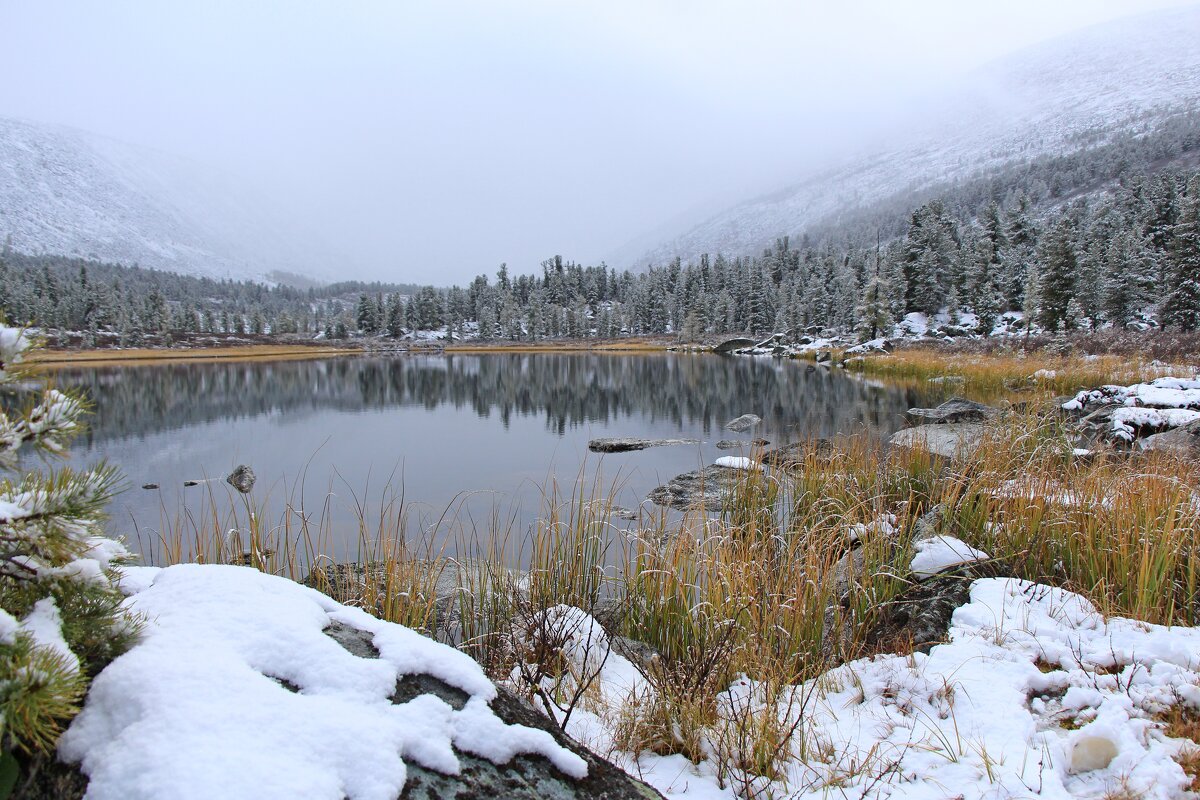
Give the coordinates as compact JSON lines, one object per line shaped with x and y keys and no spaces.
{"x":950,"y":440}
{"x":743,"y":423}
{"x":625,"y":444}
{"x":737,"y":444}
{"x":956,"y":409}
{"x":242,"y":478}
{"x":708,"y":488}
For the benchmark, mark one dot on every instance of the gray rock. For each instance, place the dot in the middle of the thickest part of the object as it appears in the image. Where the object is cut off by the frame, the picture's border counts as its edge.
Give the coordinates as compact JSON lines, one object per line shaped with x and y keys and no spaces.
{"x":743,"y":423}
{"x":738,"y":444}
{"x":956,"y":409}
{"x":950,"y":440}
{"x":621,"y":512}
{"x":242,"y":478}
{"x":523,"y":778}
{"x":948,"y":380}
{"x":920,"y":616}
{"x":729,"y":345}
{"x":625,"y":444}
{"x":640,"y":654}
{"x":929,"y":524}
{"x":823,"y":357}
{"x":708,"y":488}
{"x":1182,"y":441}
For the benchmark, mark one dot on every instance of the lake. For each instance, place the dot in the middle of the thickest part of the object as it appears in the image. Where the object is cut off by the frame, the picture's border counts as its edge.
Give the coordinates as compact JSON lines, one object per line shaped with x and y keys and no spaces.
{"x":475,"y":433}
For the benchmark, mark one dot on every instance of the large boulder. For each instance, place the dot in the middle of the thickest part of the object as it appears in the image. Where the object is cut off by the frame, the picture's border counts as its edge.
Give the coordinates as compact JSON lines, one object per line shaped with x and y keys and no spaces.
{"x":950,"y":440}
{"x":729,"y":345}
{"x":524,"y":777}
{"x":625,"y":444}
{"x":1182,"y":441}
{"x":249,"y":685}
{"x":954,"y":410}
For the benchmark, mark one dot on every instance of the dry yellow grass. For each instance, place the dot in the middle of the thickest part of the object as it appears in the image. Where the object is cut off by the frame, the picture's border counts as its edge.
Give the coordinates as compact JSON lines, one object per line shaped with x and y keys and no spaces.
{"x":1015,"y":375}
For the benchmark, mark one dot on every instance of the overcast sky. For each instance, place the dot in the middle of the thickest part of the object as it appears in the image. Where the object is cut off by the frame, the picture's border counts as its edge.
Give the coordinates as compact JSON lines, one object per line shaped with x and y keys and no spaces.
{"x":432,"y":141}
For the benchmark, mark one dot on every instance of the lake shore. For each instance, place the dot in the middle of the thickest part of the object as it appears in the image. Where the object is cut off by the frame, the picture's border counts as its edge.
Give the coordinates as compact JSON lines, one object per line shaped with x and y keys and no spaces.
{"x":209,"y":350}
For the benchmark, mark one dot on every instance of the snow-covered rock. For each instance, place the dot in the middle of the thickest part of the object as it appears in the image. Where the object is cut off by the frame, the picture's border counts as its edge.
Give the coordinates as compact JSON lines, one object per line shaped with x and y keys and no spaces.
{"x":738,"y":462}
{"x":940,"y":553}
{"x":243,"y":687}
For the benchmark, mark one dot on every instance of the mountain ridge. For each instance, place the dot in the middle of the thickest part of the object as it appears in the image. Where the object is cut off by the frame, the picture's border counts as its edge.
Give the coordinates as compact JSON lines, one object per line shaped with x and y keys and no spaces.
{"x":66,"y":191}
{"x":1073,"y":92}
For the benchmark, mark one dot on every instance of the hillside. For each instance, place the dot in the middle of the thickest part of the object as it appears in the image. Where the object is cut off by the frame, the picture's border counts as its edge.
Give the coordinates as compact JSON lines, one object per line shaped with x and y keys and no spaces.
{"x":1064,"y":96}
{"x":68,"y":192}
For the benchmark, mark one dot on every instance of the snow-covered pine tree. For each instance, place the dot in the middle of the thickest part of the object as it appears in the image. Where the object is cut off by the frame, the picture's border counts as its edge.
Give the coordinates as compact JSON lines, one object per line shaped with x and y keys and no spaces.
{"x":873,"y":316}
{"x":60,"y":613}
{"x":1057,"y":273}
{"x":1181,"y":309}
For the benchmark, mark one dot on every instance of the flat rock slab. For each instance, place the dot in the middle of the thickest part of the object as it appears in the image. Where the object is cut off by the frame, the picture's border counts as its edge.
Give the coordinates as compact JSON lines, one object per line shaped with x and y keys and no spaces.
{"x":954,"y":410}
{"x":950,"y":440}
{"x":625,"y":444}
{"x":708,"y":488}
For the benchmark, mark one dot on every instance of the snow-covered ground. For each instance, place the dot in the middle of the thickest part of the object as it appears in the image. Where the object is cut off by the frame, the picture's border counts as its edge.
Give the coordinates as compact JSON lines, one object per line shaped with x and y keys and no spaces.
{"x":1035,"y":695}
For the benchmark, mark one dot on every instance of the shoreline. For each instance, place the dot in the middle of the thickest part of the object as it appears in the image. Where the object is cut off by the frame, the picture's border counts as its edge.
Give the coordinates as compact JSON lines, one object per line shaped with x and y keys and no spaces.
{"x":109,"y":357}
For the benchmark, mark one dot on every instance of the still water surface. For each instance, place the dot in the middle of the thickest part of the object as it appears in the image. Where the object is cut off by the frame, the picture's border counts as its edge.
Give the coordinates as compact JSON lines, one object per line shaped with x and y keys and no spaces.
{"x":476,"y":431}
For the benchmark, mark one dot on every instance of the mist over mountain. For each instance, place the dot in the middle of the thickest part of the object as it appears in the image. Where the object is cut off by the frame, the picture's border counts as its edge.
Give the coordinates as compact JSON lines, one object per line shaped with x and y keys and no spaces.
{"x":69,"y":192}
{"x":1070,"y":94}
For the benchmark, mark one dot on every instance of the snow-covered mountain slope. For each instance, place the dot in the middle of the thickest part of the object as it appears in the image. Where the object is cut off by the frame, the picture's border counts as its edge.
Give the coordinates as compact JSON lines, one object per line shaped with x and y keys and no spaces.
{"x":68,"y":192}
{"x":1057,"y":97}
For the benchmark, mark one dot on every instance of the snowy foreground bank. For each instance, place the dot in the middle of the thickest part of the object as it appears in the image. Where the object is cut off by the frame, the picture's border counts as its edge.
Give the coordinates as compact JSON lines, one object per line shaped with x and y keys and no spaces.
{"x":235,"y":691}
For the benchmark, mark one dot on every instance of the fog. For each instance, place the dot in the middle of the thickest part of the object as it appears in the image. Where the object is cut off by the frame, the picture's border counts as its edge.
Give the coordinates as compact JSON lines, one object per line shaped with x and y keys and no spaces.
{"x":430,"y":142}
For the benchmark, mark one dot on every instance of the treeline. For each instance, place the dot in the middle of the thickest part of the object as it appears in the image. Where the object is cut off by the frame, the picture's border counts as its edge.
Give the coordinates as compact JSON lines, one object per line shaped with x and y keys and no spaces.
{"x":1106,"y":236}
{"x":60,"y":293}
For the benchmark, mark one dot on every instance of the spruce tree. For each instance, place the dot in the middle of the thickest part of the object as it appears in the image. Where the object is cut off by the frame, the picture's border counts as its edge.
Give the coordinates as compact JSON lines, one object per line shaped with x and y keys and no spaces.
{"x":1057,"y":273}
{"x":60,"y":612}
{"x":1181,"y":309}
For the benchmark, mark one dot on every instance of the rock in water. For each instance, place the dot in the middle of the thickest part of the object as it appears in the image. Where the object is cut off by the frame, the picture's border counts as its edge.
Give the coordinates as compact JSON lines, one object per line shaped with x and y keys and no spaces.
{"x":242,"y":479}
{"x":952,"y":440}
{"x":624,"y":444}
{"x":956,"y":409}
{"x":707,"y":488}
{"x":743,"y":423}
{"x":737,"y":444}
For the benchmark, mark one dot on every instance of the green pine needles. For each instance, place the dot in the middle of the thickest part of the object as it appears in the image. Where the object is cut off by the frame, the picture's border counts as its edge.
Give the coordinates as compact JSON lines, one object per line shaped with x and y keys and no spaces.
{"x":61,"y":618}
